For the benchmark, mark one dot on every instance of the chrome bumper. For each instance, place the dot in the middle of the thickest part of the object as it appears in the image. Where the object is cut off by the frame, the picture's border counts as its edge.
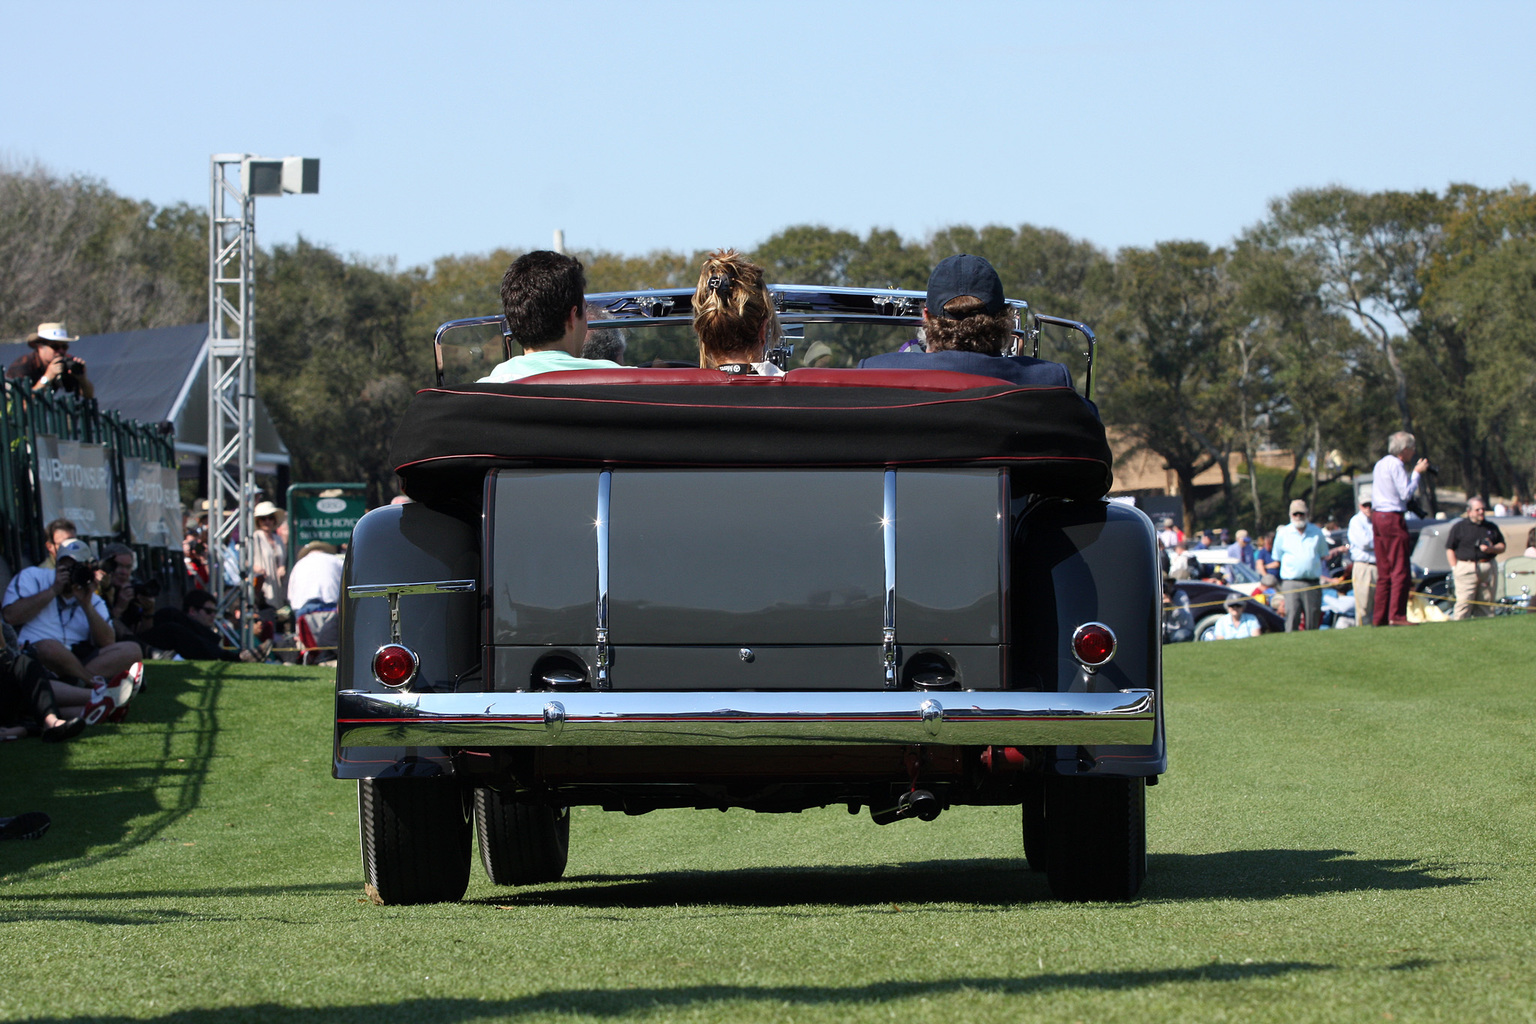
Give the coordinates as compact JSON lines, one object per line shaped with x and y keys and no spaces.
{"x":709,"y":718}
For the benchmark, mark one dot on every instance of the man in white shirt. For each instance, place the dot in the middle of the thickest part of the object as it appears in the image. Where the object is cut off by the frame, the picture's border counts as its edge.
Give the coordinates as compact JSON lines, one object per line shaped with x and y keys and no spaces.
{"x":316,"y":579}
{"x":66,"y":623}
{"x":1237,"y":624}
{"x":543,"y":300}
{"x":1362,"y":554}
{"x":1392,"y":487}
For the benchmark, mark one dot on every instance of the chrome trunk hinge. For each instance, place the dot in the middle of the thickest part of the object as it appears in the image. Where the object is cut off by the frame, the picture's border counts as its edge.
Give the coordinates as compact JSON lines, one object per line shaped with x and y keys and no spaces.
{"x":604,"y":486}
{"x":888,"y":535}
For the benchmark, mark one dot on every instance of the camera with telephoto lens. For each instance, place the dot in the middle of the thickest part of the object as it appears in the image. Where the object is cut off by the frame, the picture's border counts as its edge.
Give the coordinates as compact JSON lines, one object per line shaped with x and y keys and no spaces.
{"x":82,"y":574}
{"x":71,"y":372}
{"x":1432,"y":469}
{"x":146,"y":588}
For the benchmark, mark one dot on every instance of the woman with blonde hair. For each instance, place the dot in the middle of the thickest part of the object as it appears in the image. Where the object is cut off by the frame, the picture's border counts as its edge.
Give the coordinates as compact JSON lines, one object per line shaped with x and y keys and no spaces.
{"x":733,"y":315}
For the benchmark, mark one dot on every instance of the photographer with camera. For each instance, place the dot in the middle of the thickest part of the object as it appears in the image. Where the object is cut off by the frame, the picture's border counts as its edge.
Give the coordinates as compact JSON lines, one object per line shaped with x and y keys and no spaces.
{"x":49,"y":364}
{"x":1392,"y":488}
{"x":59,"y":614}
{"x":130,"y":601}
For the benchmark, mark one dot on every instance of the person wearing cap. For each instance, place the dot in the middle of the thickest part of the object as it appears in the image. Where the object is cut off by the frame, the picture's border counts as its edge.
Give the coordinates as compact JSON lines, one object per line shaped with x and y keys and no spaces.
{"x":55,"y":533}
{"x":1237,"y":624}
{"x":1302,"y":551}
{"x":67,"y":624}
{"x":269,"y":564}
{"x":49,"y":363}
{"x":1242,"y":549}
{"x":1362,"y":557}
{"x":968,"y":329}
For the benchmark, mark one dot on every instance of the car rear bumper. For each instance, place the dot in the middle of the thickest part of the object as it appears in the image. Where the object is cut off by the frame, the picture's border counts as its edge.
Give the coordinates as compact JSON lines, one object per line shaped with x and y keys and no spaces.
{"x":699,"y":718}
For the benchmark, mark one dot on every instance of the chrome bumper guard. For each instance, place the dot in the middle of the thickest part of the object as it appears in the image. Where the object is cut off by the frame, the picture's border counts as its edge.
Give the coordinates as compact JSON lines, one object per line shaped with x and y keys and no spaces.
{"x":714,"y":718}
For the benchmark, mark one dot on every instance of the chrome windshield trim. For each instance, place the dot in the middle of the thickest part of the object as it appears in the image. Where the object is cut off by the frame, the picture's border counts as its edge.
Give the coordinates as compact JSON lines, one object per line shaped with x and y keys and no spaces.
{"x":1087,"y":332}
{"x":716,"y":718}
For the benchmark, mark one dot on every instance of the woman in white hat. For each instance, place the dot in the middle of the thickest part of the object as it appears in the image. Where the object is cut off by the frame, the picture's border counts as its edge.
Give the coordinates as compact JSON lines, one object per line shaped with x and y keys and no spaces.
{"x":268,"y":562}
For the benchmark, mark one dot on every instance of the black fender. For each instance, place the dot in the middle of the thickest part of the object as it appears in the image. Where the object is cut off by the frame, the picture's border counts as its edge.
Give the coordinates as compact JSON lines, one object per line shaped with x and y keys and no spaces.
{"x":399,"y":544}
{"x":1076,"y":562}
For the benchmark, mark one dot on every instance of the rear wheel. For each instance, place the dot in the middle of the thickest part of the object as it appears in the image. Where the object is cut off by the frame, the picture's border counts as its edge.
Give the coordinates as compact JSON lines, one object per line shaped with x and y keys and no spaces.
{"x":521,"y":843}
{"x":1205,"y":629}
{"x":415,"y":838}
{"x":1096,"y":835}
{"x":1034,"y":822}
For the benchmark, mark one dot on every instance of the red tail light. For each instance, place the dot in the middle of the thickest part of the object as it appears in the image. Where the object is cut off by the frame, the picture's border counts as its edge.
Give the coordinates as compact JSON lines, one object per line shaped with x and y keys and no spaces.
{"x":394,"y":665}
{"x":1093,"y":645}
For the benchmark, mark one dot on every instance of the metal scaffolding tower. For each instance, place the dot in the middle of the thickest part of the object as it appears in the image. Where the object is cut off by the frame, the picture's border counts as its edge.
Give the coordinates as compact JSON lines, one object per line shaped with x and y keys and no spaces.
{"x":235,"y":180}
{"x":231,"y":380}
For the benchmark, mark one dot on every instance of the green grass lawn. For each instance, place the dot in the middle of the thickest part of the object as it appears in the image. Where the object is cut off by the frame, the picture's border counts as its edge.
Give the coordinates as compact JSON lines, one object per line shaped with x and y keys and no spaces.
{"x":1346,"y":834}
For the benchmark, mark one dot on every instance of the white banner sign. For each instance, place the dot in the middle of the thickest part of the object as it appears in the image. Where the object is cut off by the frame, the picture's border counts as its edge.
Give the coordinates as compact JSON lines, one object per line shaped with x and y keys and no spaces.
{"x":74,"y":483}
{"x":154,"y":503}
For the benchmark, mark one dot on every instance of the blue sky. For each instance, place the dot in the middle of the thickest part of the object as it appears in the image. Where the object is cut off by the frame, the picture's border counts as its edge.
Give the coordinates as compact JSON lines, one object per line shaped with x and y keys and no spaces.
{"x":455,"y":128}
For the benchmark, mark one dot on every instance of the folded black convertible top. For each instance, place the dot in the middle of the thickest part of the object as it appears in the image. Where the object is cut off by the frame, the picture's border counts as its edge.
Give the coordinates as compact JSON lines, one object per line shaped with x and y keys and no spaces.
{"x":1051,"y":438}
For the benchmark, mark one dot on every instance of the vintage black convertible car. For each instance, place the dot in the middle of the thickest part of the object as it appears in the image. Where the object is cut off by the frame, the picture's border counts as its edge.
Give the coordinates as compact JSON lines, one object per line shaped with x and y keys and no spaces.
{"x":666,"y":586}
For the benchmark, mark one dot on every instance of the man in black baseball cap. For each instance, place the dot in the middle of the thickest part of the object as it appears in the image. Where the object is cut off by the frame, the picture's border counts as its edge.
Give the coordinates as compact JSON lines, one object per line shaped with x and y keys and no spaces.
{"x":968,"y":327}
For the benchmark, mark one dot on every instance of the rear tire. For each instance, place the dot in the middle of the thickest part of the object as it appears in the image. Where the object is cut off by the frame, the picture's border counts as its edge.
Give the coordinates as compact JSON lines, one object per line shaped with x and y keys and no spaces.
{"x":1035,"y":847}
{"x":415,"y":839}
{"x":521,"y":843}
{"x":1096,"y":837}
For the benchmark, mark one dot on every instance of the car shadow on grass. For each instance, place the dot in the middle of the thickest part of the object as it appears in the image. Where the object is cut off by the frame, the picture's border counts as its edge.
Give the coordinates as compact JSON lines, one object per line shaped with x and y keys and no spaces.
{"x":103,"y":807}
{"x":714,"y":1001}
{"x":989,"y":882}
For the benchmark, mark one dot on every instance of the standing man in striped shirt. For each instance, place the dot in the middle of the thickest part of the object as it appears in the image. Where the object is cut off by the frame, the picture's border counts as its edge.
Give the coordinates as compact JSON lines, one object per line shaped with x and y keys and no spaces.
{"x":1392,"y":487}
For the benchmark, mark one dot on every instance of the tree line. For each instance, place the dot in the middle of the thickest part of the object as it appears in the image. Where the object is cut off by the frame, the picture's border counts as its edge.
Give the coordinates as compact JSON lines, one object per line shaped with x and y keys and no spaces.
{"x":1338,"y":318}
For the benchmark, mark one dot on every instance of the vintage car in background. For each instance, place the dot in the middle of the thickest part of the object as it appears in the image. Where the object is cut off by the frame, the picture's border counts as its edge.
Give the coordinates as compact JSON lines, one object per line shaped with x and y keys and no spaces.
{"x":669,"y":587}
{"x":1220,"y":576}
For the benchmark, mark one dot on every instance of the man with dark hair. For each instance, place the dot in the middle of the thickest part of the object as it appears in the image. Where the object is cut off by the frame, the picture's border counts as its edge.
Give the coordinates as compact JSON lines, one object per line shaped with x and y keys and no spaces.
{"x":54,"y":534}
{"x":542,"y":300}
{"x":968,"y":328}
{"x":190,"y":630}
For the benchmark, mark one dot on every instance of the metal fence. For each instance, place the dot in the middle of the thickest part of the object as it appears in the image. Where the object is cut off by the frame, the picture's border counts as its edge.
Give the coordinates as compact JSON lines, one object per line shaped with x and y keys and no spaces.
{"x":28,"y":414}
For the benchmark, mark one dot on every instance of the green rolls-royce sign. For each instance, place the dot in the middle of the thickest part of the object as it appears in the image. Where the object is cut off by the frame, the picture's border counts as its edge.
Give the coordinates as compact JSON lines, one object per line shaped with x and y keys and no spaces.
{"x":329,"y":518}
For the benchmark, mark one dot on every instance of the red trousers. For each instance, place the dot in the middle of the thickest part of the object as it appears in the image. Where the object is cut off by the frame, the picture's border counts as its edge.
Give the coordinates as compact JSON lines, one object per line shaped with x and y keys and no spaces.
{"x":1391,"y":568}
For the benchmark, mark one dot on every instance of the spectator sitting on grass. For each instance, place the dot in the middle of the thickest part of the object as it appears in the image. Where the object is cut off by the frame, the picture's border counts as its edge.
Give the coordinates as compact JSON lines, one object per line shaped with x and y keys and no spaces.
{"x":1237,"y":624}
{"x":66,"y":623}
{"x":191,"y":632}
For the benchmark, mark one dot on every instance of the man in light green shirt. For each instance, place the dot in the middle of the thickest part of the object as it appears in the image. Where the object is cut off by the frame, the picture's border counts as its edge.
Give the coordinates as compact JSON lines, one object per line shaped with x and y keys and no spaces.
{"x":542,"y":296}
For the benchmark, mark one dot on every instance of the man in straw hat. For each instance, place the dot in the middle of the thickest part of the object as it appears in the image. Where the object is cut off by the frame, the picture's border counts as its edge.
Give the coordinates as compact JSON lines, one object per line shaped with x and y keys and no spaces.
{"x":49,"y":364}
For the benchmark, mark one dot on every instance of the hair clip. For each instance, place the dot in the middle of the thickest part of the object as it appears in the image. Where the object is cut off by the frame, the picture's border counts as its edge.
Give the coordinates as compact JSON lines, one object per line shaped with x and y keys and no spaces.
{"x":719,"y":284}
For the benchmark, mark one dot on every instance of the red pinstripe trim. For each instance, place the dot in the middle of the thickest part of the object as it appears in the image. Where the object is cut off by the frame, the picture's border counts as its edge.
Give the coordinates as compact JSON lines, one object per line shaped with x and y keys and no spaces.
{"x":711,"y":405}
{"x":678,"y":463}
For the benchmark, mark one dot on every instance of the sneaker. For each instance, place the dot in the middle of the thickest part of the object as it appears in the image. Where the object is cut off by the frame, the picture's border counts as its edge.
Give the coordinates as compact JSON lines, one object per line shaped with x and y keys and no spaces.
{"x":31,"y":825}
{"x":107,"y":699}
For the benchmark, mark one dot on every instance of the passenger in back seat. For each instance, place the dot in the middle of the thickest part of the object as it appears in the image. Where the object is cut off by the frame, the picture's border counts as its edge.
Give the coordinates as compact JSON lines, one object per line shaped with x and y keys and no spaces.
{"x":968,"y":327}
{"x":542,"y":298}
{"x":733,"y":315}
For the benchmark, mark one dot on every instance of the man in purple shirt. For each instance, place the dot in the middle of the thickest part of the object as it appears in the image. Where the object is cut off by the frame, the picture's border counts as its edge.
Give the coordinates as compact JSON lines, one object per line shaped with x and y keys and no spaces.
{"x":1392,"y":487}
